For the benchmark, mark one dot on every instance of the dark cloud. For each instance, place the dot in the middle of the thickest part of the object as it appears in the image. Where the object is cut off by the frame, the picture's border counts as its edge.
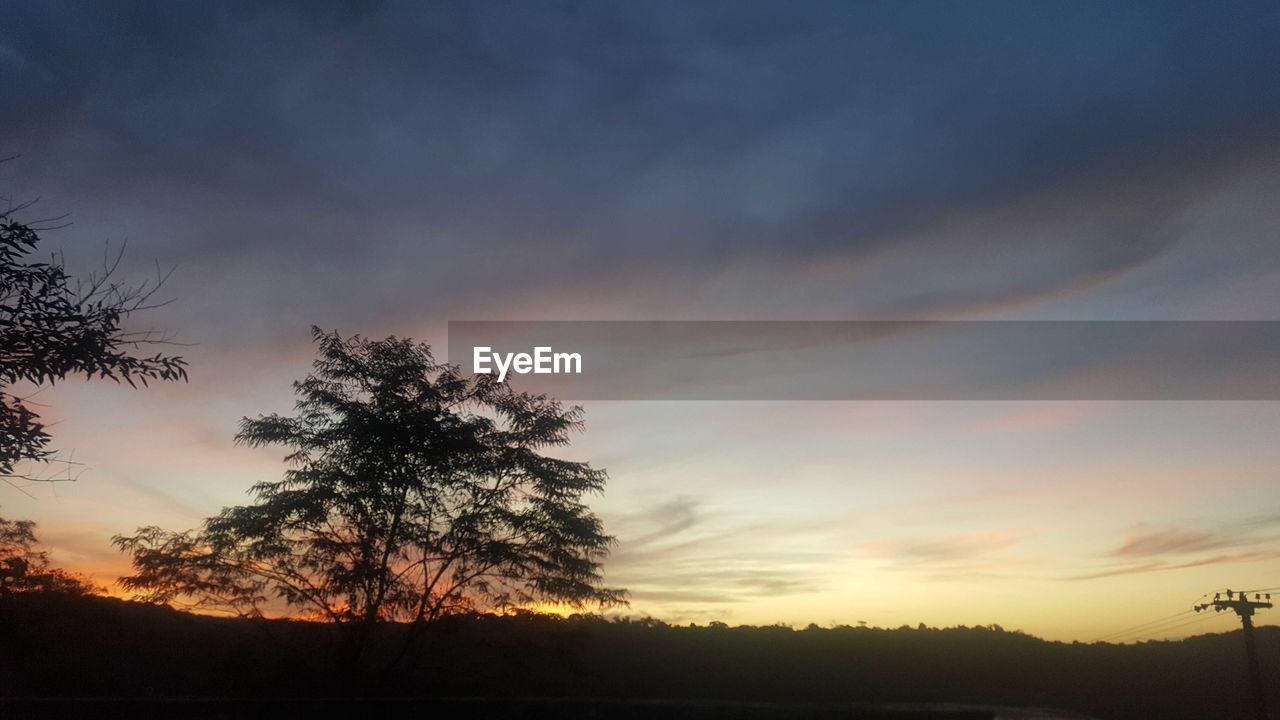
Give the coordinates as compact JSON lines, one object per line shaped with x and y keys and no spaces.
{"x":514,"y":146}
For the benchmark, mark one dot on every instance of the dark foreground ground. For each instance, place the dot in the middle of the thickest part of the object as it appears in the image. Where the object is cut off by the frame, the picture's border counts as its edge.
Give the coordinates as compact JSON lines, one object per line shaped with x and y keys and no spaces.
{"x":103,"y":658}
{"x":493,"y":709}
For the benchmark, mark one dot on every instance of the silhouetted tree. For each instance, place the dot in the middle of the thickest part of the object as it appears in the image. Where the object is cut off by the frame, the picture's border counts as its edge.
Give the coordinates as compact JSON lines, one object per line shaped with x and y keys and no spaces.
{"x":25,"y":568}
{"x":53,"y":325}
{"x":414,"y":493}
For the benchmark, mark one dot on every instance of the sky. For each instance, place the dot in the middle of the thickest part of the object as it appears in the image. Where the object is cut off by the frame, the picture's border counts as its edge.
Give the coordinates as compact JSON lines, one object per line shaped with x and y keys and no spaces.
{"x":385,"y":168}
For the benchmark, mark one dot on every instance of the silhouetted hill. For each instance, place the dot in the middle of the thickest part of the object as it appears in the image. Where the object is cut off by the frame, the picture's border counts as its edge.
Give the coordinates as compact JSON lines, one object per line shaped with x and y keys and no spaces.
{"x":57,"y":646}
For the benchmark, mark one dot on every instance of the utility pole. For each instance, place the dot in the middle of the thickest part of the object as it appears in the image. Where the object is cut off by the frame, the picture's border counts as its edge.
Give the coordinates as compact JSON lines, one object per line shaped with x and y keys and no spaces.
{"x":1244,"y":607}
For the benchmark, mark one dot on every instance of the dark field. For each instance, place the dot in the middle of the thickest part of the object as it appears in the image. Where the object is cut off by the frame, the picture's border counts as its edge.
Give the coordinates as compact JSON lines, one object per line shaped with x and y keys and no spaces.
{"x":123,"y":659}
{"x":497,"y":709}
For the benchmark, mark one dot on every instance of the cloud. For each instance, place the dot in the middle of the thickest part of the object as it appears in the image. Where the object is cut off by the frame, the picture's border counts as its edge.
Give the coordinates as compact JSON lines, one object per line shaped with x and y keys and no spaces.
{"x":680,"y":551}
{"x":661,"y":522}
{"x":1169,"y":541}
{"x":950,"y":548}
{"x":420,"y":156}
{"x":951,"y":556}
{"x":1149,"y":548}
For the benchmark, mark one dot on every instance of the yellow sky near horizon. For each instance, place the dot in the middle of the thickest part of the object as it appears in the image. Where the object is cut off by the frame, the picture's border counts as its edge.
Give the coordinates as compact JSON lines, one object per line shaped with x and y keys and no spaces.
{"x":1068,"y":521}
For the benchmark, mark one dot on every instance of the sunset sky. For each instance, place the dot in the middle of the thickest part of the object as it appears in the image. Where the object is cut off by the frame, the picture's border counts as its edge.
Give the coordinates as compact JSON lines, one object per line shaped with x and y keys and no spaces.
{"x":387,"y":170}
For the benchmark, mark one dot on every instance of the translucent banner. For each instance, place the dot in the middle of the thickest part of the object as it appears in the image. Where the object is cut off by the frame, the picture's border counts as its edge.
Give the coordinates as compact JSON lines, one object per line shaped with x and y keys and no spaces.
{"x":877,"y":360}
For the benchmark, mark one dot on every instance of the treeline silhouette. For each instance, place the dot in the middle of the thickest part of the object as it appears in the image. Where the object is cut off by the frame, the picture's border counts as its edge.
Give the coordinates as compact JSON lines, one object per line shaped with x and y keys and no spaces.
{"x":67,"y":646}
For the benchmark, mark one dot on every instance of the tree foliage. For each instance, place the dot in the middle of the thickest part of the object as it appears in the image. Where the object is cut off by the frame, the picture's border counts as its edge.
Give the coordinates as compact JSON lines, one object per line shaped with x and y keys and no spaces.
{"x":53,"y":325}
{"x":25,"y":568}
{"x":412,"y":493}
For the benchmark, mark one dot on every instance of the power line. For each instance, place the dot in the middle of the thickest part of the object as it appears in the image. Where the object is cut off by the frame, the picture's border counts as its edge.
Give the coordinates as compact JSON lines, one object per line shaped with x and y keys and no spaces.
{"x":1143,"y":626}
{"x":1245,"y":608}
{"x":1192,"y":621}
{"x":1151,"y":633}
